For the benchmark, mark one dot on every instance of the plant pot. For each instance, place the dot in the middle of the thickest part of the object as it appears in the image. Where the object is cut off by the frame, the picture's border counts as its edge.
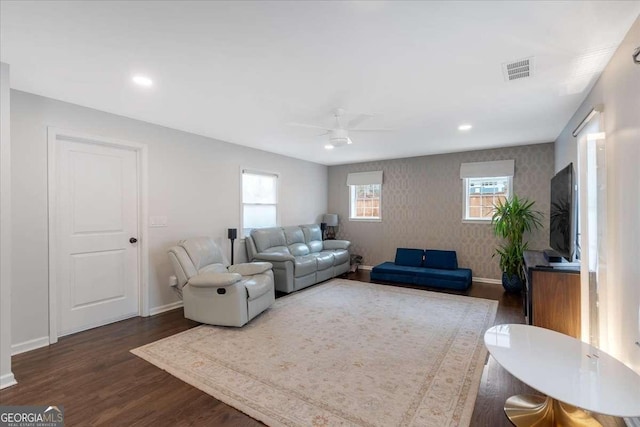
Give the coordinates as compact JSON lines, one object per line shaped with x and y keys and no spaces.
{"x":511,"y":283}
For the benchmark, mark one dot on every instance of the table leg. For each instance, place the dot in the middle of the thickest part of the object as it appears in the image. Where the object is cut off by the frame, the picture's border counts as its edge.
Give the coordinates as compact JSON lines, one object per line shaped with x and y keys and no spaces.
{"x":540,"y":411}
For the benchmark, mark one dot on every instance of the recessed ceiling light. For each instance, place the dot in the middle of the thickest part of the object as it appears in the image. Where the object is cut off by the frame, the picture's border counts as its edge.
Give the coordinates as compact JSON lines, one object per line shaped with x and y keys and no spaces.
{"x":329,"y":147}
{"x":142,"y":80}
{"x":464,"y":127}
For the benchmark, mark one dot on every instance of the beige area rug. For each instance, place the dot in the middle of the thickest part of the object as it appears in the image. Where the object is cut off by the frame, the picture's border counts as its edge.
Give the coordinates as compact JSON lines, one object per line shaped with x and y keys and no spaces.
{"x":344,"y":353}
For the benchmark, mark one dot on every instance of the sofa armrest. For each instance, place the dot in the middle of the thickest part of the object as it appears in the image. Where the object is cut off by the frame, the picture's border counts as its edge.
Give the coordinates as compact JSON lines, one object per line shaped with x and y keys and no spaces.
{"x":250,"y":269}
{"x":214,"y":280}
{"x":335,"y":244}
{"x":273,"y":256}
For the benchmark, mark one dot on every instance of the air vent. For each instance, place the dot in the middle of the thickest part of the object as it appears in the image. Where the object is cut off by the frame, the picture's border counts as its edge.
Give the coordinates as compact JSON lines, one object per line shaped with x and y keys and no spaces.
{"x":516,"y":70}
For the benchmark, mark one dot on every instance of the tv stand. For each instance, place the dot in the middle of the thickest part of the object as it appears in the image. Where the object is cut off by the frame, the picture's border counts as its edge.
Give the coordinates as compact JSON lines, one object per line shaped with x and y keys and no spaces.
{"x":552,"y":294}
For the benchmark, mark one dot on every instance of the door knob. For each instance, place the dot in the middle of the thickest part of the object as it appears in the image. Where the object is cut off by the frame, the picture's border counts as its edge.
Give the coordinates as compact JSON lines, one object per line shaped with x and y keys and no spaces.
{"x":133,"y":240}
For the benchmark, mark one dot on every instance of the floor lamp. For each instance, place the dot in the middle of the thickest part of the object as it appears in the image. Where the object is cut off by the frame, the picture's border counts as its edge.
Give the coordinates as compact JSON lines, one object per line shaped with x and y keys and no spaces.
{"x":232,"y":234}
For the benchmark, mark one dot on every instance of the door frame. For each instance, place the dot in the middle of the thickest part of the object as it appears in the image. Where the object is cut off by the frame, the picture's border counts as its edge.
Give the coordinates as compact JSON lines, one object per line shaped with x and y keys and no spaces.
{"x":141,"y":150}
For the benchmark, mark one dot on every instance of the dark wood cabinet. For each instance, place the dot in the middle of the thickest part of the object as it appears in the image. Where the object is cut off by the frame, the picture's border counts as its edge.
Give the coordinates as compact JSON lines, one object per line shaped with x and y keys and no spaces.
{"x":552,"y":295}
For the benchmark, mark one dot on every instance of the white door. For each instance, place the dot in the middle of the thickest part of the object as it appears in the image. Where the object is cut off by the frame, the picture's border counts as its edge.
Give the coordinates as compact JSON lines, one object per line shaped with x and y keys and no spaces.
{"x":96,"y":227}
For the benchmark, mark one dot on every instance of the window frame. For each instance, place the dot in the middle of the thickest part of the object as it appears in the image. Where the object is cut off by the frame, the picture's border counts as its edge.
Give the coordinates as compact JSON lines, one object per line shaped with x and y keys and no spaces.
{"x":466,"y":195}
{"x":250,"y":171}
{"x":352,"y":193}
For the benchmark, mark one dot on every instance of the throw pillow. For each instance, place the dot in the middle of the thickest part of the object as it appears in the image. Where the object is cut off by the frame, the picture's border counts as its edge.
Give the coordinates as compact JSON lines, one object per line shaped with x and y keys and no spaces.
{"x":409,"y":257}
{"x":446,"y":260}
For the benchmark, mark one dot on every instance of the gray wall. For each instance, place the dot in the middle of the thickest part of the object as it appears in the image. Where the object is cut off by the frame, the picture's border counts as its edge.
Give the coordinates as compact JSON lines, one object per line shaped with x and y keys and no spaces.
{"x":619,"y":90}
{"x":422,"y":205}
{"x":193,"y":180}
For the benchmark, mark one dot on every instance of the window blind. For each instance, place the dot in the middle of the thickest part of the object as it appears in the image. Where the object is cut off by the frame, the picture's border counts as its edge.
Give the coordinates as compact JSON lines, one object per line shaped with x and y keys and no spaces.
{"x":487,"y":169}
{"x":365,"y":178}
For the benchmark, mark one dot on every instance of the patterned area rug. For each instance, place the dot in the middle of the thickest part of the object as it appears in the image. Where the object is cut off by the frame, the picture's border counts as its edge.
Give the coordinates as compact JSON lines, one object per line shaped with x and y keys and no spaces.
{"x":344,"y":353}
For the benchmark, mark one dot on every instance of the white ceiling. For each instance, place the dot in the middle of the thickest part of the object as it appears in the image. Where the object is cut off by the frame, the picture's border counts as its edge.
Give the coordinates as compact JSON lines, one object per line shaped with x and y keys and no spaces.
{"x":240,"y":71}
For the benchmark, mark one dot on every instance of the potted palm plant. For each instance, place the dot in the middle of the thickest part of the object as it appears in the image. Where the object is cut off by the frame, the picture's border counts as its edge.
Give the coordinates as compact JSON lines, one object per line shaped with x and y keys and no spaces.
{"x":511,"y":219}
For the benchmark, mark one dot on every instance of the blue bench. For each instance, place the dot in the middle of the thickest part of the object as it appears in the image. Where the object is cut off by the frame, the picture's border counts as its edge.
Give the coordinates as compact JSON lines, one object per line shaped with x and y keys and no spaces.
{"x":434,"y":268}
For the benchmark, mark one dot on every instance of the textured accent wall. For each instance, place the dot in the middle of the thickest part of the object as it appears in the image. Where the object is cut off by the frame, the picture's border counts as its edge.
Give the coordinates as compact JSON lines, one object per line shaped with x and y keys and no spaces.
{"x":422,"y":205}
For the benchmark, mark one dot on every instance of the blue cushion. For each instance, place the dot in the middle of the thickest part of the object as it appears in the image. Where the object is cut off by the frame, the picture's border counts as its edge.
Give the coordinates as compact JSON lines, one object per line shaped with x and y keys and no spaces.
{"x":409,"y":257}
{"x":462,"y":274}
{"x":459,"y":279}
{"x":440,"y":259}
{"x":390,"y":267}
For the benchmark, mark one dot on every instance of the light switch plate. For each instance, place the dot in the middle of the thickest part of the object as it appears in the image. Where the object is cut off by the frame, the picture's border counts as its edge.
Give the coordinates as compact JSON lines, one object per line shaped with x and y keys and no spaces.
{"x":157,"y":221}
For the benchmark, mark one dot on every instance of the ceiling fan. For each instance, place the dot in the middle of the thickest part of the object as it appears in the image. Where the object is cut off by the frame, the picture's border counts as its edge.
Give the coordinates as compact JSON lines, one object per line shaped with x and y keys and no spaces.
{"x":339,"y":134}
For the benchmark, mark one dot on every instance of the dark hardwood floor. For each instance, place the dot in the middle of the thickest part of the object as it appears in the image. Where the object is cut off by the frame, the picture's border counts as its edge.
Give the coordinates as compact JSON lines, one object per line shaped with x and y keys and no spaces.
{"x":99,"y":382}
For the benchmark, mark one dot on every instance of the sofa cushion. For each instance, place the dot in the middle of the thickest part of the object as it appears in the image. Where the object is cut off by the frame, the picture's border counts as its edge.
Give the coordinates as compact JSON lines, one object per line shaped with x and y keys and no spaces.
{"x":214,"y":268}
{"x":298,"y":249}
{"x":203,"y":251}
{"x":293,"y":235}
{"x":409,"y":257}
{"x":390,"y":267}
{"x":324,"y":259}
{"x":459,"y":279}
{"x":458,"y":274}
{"x":250,"y":268}
{"x":295,"y":241}
{"x":304,"y":265}
{"x":340,"y":256}
{"x":312,"y":237}
{"x":440,"y":259}
{"x":278,"y":250}
{"x":265,"y":238}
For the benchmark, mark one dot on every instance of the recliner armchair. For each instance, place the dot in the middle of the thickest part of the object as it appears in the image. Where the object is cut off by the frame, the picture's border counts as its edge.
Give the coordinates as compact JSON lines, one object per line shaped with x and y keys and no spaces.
{"x":214,"y":293}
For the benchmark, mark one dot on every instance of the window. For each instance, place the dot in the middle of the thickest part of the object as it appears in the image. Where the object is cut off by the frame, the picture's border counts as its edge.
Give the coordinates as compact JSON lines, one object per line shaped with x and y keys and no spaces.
{"x":259,"y":200}
{"x":365,"y":191}
{"x":482,"y":194}
{"x":365,"y":201}
{"x":484,"y":185}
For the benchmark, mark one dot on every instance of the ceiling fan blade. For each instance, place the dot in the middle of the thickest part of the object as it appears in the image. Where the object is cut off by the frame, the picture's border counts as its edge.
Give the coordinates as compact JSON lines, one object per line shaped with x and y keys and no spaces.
{"x":358,"y":119}
{"x":304,"y":125}
{"x":372,"y":130}
{"x":324,"y":133}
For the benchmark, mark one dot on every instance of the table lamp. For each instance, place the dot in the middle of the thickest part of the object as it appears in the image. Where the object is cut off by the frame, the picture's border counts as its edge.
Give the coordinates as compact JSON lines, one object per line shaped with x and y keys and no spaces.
{"x":332,"y":221}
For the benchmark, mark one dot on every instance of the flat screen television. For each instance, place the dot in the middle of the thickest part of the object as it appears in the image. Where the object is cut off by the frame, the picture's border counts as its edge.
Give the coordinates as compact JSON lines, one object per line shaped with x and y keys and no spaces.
{"x":562,"y":216}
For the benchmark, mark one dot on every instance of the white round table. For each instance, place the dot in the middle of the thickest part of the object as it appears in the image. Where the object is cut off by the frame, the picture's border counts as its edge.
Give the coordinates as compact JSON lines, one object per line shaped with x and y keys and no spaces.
{"x":571,"y":373}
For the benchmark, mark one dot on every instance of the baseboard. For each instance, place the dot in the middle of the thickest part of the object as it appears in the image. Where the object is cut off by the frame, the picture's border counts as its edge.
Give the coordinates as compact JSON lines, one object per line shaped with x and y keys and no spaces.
{"x":29,"y":345}
{"x":166,"y":307}
{"x":485,"y":280}
{"x":7,"y":380}
{"x":365,"y":267}
{"x":632,"y":422}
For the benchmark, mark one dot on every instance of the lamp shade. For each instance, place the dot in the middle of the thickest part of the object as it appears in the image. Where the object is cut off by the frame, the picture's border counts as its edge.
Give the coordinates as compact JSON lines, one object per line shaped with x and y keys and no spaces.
{"x":330,"y":219}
